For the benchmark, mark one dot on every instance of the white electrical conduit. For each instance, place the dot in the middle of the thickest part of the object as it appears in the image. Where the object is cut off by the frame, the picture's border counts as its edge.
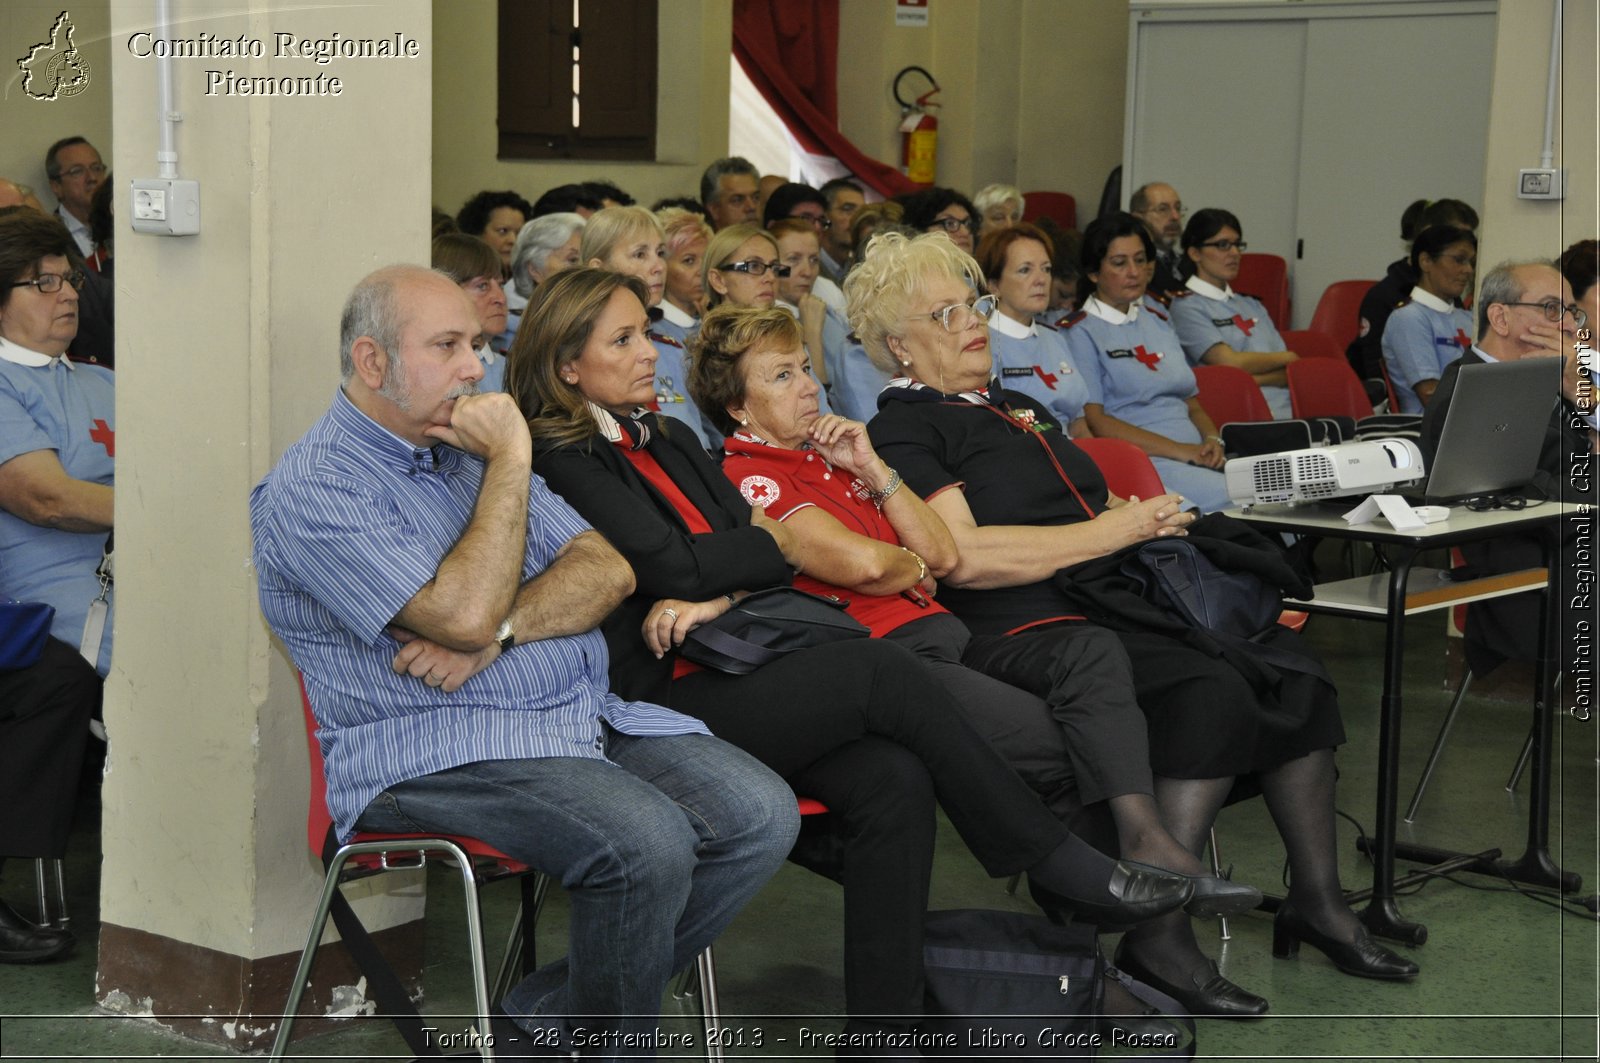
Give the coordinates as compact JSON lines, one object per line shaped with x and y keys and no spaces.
{"x":167,"y":151}
{"x":1547,"y":156}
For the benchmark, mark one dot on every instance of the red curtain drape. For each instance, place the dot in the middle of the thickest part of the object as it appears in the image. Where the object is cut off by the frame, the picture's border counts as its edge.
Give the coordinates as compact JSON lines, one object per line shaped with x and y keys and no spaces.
{"x":789,"y":49}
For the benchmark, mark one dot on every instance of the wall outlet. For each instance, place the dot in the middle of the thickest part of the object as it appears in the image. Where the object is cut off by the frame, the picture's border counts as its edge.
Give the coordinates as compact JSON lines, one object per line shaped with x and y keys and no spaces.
{"x":1541,"y":184}
{"x":165,"y":207}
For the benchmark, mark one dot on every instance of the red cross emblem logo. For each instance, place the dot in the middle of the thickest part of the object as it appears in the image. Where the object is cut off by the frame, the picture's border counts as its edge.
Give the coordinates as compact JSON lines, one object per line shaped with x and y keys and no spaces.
{"x":759,"y":490}
{"x":1463,"y":340}
{"x":1048,"y":378}
{"x":1147,"y":358}
{"x":104,"y":435}
{"x":1244,"y":324}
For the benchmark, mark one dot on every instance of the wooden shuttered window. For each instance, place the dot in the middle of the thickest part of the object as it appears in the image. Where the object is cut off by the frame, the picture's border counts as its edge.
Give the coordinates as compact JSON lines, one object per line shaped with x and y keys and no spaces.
{"x":577,"y":79}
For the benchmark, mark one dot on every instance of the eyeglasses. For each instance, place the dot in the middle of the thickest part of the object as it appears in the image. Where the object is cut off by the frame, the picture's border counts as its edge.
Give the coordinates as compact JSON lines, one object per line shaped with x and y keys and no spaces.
{"x":955,"y":225}
{"x":756,"y":267}
{"x":78,"y":171}
{"x":1553,"y":311}
{"x":51,"y":282}
{"x":958,"y":317}
{"x":1226,"y":245}
{"x":1163,"y":209}
{"x":819,"y":222}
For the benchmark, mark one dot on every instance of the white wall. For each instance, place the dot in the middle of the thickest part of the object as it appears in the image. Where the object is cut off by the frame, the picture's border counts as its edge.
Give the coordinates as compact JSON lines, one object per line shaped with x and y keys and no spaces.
{"x":28,"y":127}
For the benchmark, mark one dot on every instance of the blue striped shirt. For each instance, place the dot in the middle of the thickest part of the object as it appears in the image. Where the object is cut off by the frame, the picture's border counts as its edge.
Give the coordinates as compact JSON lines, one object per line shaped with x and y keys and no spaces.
{"x":351,"y":524}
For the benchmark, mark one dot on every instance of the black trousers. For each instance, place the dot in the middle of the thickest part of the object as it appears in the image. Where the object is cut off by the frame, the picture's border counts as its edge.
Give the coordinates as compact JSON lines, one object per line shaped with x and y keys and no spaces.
{"x":44,"y":723}
{"x":864,"y":727}
{"x":1084,"y":676}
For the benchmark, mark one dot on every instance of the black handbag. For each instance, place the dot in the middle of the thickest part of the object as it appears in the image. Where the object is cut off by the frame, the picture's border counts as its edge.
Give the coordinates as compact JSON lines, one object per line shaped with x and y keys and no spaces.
{"x":1016,"y":986}
{"x":767,"y":625}
{"x":23,"y":628}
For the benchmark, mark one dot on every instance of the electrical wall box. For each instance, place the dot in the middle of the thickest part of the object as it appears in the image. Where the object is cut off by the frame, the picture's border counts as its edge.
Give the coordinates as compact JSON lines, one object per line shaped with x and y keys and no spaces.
{"x":1541,"y":184}
{"x":165,"y":207}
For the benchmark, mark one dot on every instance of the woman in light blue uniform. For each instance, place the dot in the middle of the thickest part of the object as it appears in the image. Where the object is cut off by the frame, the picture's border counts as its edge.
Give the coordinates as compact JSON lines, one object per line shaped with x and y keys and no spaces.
{"x":1431,"y":331}
{"x":1140,"y":386}
{"x":1030,"y":358}
{"x":1217,"y":325}
{"x":687,"y":236}
{"x":630,"y":241}
{"x":475,"y":267}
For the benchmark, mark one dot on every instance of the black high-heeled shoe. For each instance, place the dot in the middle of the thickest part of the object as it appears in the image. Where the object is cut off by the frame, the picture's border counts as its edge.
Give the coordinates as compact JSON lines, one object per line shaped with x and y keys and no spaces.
{"x":1206,"y":993}
{"x":1213,"y":896}
{"x":1362,"y":957}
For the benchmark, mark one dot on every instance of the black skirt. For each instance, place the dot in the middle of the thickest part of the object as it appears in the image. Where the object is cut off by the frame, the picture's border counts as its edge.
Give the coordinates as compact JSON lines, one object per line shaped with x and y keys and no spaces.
{"x":44,"y":724}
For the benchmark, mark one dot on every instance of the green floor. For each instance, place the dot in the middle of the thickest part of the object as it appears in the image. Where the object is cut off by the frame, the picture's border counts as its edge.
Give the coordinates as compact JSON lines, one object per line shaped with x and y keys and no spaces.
{"x":1504,"y":976}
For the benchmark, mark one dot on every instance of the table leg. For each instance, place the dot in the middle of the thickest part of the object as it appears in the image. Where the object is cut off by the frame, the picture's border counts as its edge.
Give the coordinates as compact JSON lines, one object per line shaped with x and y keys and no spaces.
{"x":1382,"y":914}
{"x":1535,"y":865}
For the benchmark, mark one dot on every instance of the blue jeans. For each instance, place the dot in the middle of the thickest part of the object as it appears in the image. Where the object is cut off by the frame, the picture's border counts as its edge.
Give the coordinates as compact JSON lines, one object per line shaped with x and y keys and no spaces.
{"x":659,"y":848}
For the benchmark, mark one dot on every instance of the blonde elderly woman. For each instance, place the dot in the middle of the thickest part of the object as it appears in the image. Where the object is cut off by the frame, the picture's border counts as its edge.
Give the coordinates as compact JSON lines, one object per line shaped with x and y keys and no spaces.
{"x":1024,"y":503}
{"x":630,"y":241}
{"x":684,"y":299}
{"x":999,"y":207}
{"x":545,"y":246}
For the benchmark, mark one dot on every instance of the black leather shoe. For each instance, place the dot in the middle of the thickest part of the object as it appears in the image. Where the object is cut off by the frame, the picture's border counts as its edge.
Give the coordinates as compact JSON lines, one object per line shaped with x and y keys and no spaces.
{"x":1213,"y":896}
{"x":1138,"y":893}
{"x":1206,"y":993}
{"x":25,"y":942}
{"x":1362,"y":957}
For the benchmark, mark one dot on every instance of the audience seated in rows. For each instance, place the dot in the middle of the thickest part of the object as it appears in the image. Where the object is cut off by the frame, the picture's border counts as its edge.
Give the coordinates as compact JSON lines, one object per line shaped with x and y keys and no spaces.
{"x":684,"y":298}
{"x":731,"y":191}
{"x":798,"y":202}
{"x":1159,"y":206}
{"x":496,"y":218}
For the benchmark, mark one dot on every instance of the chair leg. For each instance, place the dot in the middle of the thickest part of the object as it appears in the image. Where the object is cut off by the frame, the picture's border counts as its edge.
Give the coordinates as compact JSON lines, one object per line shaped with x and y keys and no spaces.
{"x":1438,"y":746}
{"x":518,"y":960}
{"x":44,"y":899}
{"x":62,"y":919}
{"x":480,"y":983}
{"x":1216,"y":869}
{"x":297,"y":988}
{"x":710,"y":1007}
{"x":1522,"y":763}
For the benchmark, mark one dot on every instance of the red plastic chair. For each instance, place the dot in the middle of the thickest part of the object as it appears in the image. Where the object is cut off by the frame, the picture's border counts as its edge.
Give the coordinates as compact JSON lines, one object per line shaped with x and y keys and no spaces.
{"x":1338,"y":312}
{"x":1309,"y":343}
{"x":1324,"y":387}
{"x":1267,"y":278}
{"x":1126,"y":468}
{"x":371,"y":853}
{"x":1228,"y":394}
{"x":1057,"y":206}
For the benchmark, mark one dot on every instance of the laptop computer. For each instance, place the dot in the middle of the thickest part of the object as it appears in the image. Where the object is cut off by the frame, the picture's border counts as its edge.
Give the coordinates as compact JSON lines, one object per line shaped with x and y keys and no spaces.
{"x":1494,"y":429}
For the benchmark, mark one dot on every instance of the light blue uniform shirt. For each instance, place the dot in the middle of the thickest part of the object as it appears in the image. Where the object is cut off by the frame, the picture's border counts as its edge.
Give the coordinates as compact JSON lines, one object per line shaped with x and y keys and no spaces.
{"x":1036,"y":361}
{"x":54,"y":404}
{"x":1420,"y":339}
{"x":348,"y":528}
{"x":672,"y":388}
{"x":853,"y":381}
{"x":1209,"y":315}
{"x":1135,"y":368}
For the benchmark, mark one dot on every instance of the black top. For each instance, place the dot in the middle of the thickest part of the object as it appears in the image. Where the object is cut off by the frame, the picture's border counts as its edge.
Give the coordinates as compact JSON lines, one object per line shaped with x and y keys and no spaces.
{"x":1382,"y":299}
{"x":599,"y":481}
{"x":938,"y":441}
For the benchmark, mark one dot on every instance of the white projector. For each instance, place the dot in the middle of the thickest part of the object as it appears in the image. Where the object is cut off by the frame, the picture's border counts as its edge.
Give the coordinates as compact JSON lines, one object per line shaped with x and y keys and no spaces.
{"x":1323,"y":472}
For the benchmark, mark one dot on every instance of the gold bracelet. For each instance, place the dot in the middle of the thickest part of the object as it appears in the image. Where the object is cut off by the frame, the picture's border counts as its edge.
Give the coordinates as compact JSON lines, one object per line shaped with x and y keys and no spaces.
{"x":922,"y":566}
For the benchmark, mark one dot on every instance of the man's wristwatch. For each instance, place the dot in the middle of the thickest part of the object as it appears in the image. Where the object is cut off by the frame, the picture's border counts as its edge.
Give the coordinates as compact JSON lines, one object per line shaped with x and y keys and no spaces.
{"x":504,"y":635}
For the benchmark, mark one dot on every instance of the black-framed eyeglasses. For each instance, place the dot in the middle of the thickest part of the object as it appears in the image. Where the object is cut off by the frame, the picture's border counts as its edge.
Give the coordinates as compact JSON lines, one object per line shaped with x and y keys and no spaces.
{"x":1554,"y":311}
{"x":958,"y":317}
{"x":819,"y":222}
{"x":756,"y":267}
{"x":49,"y":283}
{"x":1226,"y":245}
{"x":955,"y":225}
{"x":98,"y":169}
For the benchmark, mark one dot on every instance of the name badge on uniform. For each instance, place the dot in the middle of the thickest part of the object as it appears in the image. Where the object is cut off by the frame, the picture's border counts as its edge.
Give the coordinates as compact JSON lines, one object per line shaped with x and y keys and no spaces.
{"x":1007,"y":370}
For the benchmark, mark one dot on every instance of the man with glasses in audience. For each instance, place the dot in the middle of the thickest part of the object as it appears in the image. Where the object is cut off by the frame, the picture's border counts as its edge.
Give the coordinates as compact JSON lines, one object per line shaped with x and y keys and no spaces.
{"x":75,"y":171}
{"x":1526,"y":310}
{"x":844,"y":197}
{"x":1160,"y":208}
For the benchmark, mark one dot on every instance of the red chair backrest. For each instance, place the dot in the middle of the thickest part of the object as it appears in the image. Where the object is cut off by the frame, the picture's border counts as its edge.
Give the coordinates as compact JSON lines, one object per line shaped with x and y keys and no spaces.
{"x":1338,"y":312}
{"x":1057,"y":206}
{"x":1126,"y":468}
{"x":1323,"y":387}
{"x":1229,"y":394}
{"x":1309,"y":343}
{"x":318,"y":818}
{"x":1267,"y":278}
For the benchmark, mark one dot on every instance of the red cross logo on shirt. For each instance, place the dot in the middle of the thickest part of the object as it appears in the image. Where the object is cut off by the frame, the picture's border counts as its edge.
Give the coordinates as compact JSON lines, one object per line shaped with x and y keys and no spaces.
{"x":1463,"y":340}
{"x":1147,"y":358}
{"x":103,"y":435}
{"x":1048,"y":378}
{"x":1244,"y":324}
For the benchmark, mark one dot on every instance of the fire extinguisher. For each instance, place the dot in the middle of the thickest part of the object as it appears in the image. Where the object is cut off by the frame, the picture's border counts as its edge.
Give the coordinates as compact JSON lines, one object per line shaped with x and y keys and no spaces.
{"x":919,"y":131}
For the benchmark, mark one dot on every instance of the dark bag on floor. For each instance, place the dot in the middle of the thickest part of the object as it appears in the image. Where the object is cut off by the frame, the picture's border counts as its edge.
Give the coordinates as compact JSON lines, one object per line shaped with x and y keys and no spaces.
{"x":1009,"y":985}
{"x":23,"y":628}
{"x":766,"y":625}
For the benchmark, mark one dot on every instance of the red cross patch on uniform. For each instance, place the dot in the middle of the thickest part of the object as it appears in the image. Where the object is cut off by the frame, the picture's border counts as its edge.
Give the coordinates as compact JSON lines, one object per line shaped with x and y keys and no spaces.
{"x":759,"y":490}
{"x":105,"y":436}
